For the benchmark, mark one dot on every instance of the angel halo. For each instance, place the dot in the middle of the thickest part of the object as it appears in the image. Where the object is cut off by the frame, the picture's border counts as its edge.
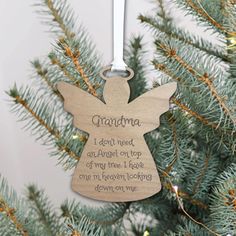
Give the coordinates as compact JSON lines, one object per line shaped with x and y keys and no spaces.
{"x":113,"y":177}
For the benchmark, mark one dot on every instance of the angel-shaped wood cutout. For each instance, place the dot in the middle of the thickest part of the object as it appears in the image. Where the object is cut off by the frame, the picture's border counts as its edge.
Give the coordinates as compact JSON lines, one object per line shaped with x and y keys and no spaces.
{"x":116,"y":164}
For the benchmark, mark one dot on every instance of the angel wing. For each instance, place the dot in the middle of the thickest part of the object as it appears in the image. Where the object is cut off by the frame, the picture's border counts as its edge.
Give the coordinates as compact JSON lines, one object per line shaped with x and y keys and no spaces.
{"x":151,"y":105}
{"x":80,"y":104}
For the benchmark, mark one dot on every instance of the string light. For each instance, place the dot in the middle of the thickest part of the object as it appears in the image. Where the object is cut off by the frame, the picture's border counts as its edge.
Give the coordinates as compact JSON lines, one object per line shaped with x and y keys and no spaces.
{"x":80,"y":137}
{"x":181,"y":205}
{"x":176,"y":188}
{"x":232,"y":40}
{"x":146,"y":233}
{"x":75,"y":136}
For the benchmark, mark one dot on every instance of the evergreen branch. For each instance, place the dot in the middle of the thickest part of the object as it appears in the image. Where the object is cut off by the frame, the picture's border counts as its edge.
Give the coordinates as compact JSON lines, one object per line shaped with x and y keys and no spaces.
{"x":203,"y":173}
{"x":202,"y":119}
{"x":171,"y":53}
{"x":63,"y":19}
{"x":74,"y":57}
{"x":165,"y":70}
{"x":42,"y":208}
{"x":83,"y":228}
{"x":176,"y":150}
{"x":55,"y":61}
{"x":69,"y":210}
{"x":58,"y":18}
{"x":134,"y":57}
{"x":53,"y":131}
{"x":13,"y":214}
{"x":109,"y":217}
{"x":223,"y":202}
{"x":150,"y":21}
{"x":185,"y":195}
{"x":208,"y":82}
{"x":194,"y":114}
{"x":169,"y":186}
{"x":116,"y":219}
{"x":75,"y":233}
{"x":202,"y":13}
{"x":10,"y":213}
{"x":110,"y":222}
{"x":181,"y":205}
{"x":205,"y":15}
{"x":185,"y":108}
{"x":162,"y":12}
{"x":103,"y":215}
{"x":184,"y":37}
{"x":62,"y":16}
{"x":188,"y":228}
{"x":43,"y":74}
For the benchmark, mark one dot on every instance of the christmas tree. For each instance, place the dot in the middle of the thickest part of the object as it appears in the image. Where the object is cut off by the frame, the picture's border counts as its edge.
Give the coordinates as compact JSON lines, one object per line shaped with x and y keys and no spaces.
{"x":194,"y":148}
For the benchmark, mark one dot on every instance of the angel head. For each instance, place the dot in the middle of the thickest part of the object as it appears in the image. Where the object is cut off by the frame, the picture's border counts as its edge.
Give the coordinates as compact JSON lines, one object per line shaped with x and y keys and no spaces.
{"x":116,"y":90}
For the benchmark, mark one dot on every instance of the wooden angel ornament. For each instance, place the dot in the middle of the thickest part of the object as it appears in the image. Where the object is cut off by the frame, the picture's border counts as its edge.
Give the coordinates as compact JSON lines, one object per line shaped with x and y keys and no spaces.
{"x":116,"y":164}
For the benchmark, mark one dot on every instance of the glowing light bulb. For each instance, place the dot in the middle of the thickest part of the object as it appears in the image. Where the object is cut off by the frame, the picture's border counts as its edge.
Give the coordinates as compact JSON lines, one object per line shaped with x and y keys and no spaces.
{"x":146,"y":233}
{"x":76,"y":136}
{"x":232,"y":40}
{"x":176,"y":189}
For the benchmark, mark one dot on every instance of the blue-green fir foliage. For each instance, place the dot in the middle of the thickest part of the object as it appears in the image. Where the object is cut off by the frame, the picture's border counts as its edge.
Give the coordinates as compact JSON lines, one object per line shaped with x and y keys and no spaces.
{"x":34,"y":215}
{"x":194,"y":148}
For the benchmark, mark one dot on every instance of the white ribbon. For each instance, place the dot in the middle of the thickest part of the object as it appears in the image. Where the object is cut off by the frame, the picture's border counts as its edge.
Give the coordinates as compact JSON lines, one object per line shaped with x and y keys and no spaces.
{"x":118,"y":35}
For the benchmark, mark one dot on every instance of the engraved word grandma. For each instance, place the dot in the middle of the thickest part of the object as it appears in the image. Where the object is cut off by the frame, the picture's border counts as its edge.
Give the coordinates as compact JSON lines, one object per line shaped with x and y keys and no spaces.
{"x":100,"y":121}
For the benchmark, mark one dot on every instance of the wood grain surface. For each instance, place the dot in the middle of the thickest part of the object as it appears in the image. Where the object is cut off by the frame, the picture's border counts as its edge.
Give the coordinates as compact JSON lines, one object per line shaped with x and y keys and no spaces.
{"x":116,"y":164}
